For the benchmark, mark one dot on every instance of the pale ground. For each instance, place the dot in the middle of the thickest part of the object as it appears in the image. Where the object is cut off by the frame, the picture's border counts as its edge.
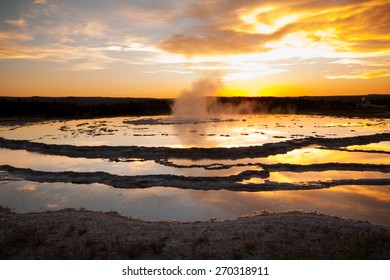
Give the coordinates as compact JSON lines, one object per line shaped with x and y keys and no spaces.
{"x":71,"y":234}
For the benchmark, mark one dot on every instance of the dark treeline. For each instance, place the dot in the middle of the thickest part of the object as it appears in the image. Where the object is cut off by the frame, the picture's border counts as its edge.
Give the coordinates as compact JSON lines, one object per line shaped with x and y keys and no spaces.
{"x":326,"y":104}
{"x":84,"y":107}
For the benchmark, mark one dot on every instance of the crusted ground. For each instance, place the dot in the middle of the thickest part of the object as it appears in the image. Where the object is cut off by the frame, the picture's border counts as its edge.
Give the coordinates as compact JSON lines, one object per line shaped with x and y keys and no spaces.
{"x":71,"y":234}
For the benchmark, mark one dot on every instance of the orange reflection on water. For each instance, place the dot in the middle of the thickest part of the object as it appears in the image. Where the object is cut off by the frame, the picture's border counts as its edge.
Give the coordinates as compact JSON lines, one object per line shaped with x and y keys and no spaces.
{"x":381,"y":146}
{"x":50,"y":163}
{"x":295,"y":177}
{"x":307,"y":156}
{"x":222,"y":131}
{"x":162,"y":203}
{"x":253,"y":181}
{"x":369,"y":203}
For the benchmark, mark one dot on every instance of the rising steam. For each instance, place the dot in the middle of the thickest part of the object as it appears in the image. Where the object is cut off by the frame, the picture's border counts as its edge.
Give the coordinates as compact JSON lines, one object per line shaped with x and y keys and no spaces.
{"x":192,"y":104}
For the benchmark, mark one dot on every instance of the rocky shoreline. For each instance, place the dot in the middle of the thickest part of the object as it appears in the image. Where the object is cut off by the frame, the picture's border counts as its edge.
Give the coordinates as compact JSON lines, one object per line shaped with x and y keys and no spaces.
{"x":81,"y":234}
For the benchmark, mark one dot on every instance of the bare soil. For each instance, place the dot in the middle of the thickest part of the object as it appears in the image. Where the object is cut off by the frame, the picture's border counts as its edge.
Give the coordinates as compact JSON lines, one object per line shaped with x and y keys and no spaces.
{"x":81,"y":234}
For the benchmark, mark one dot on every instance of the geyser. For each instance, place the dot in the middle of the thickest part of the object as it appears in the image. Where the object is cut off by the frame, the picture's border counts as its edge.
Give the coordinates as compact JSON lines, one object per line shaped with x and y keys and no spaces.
{"x":192,"y":104}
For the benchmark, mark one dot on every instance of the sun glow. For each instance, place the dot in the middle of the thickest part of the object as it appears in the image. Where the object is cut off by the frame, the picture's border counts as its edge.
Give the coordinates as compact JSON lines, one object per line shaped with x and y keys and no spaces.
{"x":254,"y":17}
{"x":113,"y":50}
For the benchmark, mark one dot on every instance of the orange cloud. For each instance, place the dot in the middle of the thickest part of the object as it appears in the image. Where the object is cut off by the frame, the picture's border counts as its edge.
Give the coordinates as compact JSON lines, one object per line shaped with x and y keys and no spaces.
{"x":244,"y":28}
{"x":367,"y":75}
{"x":214,"y":43}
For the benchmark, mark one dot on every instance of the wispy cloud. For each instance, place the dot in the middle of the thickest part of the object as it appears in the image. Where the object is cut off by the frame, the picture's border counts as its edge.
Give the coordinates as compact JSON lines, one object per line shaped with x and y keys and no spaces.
{"x":81,"y":42}
{"x":367,"y":75}
{"x":17,"y":22}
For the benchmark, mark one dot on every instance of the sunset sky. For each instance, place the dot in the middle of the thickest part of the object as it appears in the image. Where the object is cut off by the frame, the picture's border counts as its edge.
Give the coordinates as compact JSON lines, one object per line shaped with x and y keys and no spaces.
{"x":131,"y":48}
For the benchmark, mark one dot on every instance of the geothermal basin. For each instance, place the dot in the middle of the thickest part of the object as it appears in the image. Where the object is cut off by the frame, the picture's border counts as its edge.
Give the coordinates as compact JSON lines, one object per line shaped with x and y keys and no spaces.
{"x":224,"y":167}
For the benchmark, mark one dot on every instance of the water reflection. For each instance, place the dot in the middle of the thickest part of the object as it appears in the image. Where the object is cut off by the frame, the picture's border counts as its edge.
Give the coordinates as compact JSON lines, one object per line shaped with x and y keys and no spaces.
{"x":41,"y":162}
{"x":358,"y":202}
{"x":304,"y":156}
{"x":315,"y":155}
{"x":302,"y":177}
{"x":49,"y":163}
{"x":225,"y":131}
{"x":370,"y":203}
{"x":381,"y":146}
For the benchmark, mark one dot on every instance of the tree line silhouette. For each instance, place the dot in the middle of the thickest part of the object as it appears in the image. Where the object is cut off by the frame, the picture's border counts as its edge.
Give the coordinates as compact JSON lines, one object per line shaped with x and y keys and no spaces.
{"x":84,"y":107}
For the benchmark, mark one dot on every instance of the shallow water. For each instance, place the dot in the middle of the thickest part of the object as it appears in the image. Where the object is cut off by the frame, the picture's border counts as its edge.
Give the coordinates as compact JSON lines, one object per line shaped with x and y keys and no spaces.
{"x":358,"y":202}
{"x":225,"y":131}
{"x":381,"y":146}
{"x":361,"y":201}
{"x":314,"y":155}
{"x":50,"y":163}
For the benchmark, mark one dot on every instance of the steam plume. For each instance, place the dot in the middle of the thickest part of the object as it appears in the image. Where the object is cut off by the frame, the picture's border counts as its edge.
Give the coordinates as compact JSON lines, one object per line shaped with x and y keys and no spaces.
{"x":192,"y":105}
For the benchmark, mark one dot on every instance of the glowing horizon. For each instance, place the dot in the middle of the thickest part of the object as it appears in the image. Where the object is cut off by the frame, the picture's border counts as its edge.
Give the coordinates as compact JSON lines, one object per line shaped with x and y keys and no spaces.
{"x":158,"y":48}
